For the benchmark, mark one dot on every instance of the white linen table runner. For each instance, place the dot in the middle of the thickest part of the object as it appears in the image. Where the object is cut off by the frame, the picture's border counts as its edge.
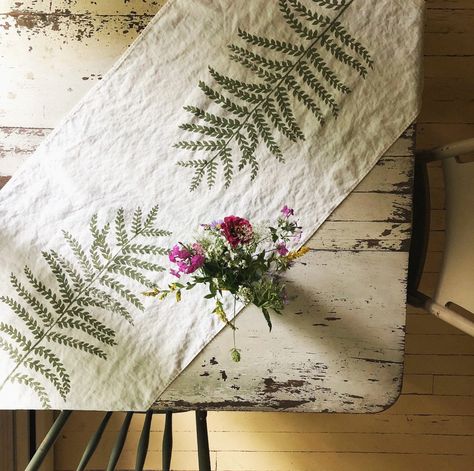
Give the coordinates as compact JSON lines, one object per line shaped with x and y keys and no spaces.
{"x":220,"y":107}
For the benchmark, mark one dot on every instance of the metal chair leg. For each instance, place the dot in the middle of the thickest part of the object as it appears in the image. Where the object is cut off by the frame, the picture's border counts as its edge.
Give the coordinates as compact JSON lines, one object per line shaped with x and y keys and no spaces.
{"x":167,"y":447}
{"x":142,"y":449}
{"x":93,"y":442}
{"x":48,"y":441}
{"x":117,"y":449}
{"x":202,"y":441}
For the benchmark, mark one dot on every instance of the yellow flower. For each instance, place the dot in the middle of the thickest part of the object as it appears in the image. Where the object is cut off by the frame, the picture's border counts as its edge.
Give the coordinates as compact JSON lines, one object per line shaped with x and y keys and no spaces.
{"x":293,"y":255}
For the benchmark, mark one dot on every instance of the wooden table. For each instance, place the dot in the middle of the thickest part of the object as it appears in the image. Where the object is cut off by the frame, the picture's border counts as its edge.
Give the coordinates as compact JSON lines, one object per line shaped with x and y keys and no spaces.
{"x":339,"y":346}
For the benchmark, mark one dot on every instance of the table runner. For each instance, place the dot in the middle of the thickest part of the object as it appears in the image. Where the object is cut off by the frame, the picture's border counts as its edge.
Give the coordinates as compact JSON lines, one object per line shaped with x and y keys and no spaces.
{"x":218,"y":108}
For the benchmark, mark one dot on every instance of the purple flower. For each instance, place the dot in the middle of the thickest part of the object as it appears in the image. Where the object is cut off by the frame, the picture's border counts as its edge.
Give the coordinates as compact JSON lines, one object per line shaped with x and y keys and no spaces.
{"x":287,"y":212}
{"x":187,"y":260}
{"x":281,"y":248}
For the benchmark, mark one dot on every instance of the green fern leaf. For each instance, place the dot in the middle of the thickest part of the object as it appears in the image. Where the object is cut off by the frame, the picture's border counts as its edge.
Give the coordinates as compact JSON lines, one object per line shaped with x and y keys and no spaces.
{"x":310,"y":79}
{"x":331,"y":4}
{"x":279,"y":66}
{"x":213,"y":119}
{"x":234,"y":86}
{"x":46,"y":292}
{"x":41,"y":311}
{"x":326,"y":72}
{"x":77,"y":311}
{"x":38,"y":367}
{"x":238,"y":110}
{"x":313,"y":17}
{"x":80,"y":255}
{"x":68,"y":341}
{"x":348,"y":40}
{"x":103,"y":300}
{"x":274,"y":44}
{"x":201,"y":145}
{"x":64,"y":288}
{"x":131,"y":273}
{"x":79,"y":283}
{"x":342,"y":56}
{"x":137,"y":221}
{"x":265,"y":133}
{"x":304,"y":98}
{"x":24,"y":315}
{"x":270,"y":110}
{"x":122,"y":291}
{"x":140,"y":249}
{"x":13,"y":352}
{"x":68,"y":323}
{"x":151,"y":217}
{"x":36,"y":386}
{"x":305,"y":32}
{"x":46,"y":353}
{"x":137,"y":263}
{"x":207,"y":130}
{"x":120,"y":231}
{"x":15,"y":335}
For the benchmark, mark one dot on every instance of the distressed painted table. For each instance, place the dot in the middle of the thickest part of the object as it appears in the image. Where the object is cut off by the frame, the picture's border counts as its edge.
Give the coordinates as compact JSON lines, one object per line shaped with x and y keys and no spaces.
{"x":339,"y":346}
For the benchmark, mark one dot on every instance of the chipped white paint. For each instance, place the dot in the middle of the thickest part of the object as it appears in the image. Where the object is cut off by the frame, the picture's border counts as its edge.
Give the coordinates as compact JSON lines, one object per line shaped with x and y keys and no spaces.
{"x":340,"y":345}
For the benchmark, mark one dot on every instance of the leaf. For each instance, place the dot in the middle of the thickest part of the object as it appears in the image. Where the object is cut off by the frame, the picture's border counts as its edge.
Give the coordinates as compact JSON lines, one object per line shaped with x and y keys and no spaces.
{"x":266,"y":314}
{"x":69,"y":341}
{"x":35,"y":386}
{"x":46,"y":314}
{"x":282,"y":70}
{"x":120,"y":231}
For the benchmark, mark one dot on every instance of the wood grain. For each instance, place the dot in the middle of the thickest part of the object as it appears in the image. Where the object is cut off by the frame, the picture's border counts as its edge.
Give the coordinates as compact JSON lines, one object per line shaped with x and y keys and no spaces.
{"x":436,"y":407}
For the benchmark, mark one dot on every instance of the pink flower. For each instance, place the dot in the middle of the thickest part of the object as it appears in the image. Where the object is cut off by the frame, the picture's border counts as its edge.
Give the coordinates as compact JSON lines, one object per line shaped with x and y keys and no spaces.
{"x":281,"y":248}
{"x":237,"y":230}
{"x":188,"y":261}
{"x":287,"y":212}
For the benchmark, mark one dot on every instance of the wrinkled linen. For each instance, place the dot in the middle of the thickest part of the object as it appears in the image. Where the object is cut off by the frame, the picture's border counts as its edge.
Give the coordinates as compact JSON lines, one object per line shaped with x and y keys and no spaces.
{"x":115,"y":149}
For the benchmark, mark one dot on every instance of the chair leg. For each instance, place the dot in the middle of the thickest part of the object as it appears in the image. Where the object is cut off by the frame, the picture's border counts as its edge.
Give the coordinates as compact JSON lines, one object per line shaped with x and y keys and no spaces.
{"x":48,"y":441}
{"x":143,"y":443}
{"x":93,"y":442}
{"x":117,"y":449}
{"x":167,"y":447}
{"x":202,"y":441}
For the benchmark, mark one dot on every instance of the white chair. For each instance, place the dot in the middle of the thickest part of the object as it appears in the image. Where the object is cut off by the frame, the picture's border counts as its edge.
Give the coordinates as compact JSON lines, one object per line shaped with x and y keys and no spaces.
{"x":453,"y":301}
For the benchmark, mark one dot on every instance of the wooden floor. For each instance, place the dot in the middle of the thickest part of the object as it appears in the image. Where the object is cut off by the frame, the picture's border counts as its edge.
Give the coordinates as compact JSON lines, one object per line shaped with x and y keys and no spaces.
{"x":431,"y":427}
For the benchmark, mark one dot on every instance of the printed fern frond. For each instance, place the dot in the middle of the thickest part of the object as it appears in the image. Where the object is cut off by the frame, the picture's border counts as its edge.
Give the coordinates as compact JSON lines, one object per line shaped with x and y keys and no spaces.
{"x":40,"y":309}
{"x":348,"y":40}
{"x":122,"y":291}
{"x":312,"y":17}
{"x":36,"y":386}
{"x":212,"y":118}
{"x":326,"y":72}
{"x":273,"y":44}
{"x":274,"y":116}
{"x":288,"y":74}
{"x":310,"y":79}
{"x":239,"y":110}
{"x":24,"y":315}
{"x":265,"y":133}
{"x":120,"y":231}
{"x":207,"y":130}
{"x":339,"y":53}
{"x":76,"y":309}
{"x":69,"y":341}
{"x":80,"y":255}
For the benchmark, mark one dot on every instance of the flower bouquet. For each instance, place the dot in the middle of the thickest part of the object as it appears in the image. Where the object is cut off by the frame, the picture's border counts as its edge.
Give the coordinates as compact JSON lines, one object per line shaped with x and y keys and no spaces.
{"x":242,"y":259}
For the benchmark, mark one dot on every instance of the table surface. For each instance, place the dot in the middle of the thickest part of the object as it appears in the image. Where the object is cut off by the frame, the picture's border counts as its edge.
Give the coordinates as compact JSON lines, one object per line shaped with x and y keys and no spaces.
{"x":339,"y":346}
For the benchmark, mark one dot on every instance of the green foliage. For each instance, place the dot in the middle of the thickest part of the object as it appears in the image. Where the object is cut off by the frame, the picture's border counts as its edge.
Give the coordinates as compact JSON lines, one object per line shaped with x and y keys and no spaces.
{"x":285,"y":73}
{"x":88,"y":283}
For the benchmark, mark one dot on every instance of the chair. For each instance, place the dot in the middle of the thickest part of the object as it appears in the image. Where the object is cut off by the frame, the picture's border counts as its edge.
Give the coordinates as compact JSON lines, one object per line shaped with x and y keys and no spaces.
{"x":142,"y":449}
{"x":453,"y":301}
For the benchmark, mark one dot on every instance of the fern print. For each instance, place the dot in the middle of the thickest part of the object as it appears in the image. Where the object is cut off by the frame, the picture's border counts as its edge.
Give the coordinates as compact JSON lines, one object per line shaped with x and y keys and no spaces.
{"x":256,"y":112}
{"x":87,"y":282}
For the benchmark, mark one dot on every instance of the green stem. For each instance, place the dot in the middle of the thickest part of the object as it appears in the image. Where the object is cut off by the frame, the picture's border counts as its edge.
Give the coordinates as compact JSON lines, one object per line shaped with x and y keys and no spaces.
{"x":267,"y":96}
